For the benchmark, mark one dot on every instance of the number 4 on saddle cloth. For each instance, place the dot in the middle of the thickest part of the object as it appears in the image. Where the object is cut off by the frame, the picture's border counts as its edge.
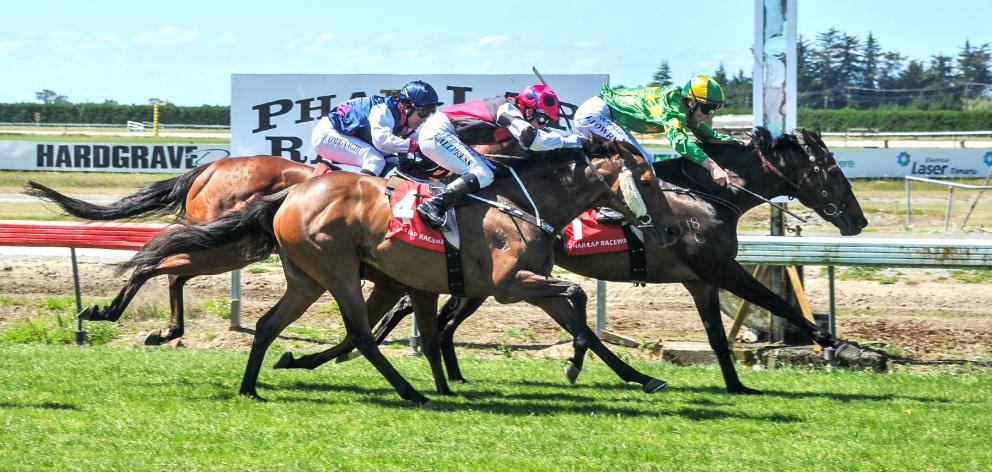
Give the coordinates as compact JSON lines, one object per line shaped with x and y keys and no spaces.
{"x":405,"y":225}
{"x":585,"y":236}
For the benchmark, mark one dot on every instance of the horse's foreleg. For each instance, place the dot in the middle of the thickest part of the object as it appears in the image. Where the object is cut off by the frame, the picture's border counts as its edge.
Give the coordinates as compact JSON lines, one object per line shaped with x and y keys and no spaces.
{"x":452,"y":314}
{"x":731,"y":276}
{"x":566,"y":303}
{"x":425,"y":308}
{"x":708,"y":304}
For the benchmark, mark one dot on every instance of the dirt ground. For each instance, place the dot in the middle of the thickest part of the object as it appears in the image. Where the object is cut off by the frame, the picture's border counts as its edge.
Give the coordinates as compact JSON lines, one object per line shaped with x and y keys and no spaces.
{"x":925,"y":314}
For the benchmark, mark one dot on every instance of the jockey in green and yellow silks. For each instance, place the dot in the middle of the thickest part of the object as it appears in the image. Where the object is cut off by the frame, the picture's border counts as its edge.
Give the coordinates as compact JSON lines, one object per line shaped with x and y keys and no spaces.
{"x":674,"y":110}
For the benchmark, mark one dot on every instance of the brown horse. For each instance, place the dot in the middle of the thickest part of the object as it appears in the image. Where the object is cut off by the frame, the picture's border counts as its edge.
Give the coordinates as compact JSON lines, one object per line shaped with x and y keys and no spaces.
{"x":199,"y":195}
{"x":327,"y":227}
{"x":704,"y":257}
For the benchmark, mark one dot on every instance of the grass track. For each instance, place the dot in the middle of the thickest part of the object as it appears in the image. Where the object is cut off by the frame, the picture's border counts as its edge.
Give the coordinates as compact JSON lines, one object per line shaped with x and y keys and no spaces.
{"x":65,"y":408}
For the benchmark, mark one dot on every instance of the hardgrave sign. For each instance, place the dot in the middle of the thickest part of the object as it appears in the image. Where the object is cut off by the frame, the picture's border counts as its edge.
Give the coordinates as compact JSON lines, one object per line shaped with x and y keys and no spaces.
{"x":167,"y":158}
{"x":274,"y":114}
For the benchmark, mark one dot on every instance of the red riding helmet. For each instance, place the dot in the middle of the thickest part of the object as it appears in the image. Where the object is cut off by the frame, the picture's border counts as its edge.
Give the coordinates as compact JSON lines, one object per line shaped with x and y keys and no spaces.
{"x":539,"y":99}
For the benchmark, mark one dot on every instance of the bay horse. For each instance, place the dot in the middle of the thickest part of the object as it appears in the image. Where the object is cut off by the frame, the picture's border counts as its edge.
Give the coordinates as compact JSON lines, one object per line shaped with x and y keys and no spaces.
{"x":796,"y":165}
{"x":199,"y":195}
{"x":329,"y":226}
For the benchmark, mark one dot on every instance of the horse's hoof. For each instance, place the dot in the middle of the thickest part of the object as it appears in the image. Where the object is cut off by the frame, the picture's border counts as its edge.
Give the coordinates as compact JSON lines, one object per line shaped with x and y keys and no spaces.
{"x":252,"y":394}
{"x":419,"y":399}
{"x":571,"y":371}
{"x":87,"y":313}
{"x":154,"y":338}
{"x":347,"y":357}
{"x":742,"y":390}
{"x":654,"y":385}
{"x":285,"y":361}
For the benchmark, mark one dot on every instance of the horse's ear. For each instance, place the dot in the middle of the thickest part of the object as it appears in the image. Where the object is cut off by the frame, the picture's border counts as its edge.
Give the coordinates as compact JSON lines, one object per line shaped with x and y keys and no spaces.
{"x":816,"y":132}
{"x":762,"y":138}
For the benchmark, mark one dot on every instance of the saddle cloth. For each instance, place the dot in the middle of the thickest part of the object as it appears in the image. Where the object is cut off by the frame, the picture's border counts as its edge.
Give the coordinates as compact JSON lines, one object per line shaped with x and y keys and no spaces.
{"x":585,"y":236}
{"x":404,"y":222}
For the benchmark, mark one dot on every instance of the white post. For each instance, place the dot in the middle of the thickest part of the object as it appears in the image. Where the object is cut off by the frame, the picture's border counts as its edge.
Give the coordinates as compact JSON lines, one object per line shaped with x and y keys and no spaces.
{"x":600,"y":307}
{"x":235,"y":300}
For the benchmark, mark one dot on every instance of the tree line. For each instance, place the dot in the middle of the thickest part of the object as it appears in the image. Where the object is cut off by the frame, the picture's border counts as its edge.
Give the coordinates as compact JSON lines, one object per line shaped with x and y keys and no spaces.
{"x":839,"y":70}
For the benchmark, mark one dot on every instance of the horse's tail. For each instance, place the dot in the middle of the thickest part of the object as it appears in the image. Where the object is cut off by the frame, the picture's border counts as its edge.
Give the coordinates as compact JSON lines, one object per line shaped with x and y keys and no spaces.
{"x":156,"y":198}
{"x":251,"y":227}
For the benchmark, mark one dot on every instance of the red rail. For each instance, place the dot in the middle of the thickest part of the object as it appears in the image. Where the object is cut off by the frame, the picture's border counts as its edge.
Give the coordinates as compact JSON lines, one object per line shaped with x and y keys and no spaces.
{"x":129,"y":236}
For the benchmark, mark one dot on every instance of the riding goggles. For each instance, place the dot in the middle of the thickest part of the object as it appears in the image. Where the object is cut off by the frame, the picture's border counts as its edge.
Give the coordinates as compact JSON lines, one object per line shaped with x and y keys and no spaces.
{"x":710,"y":108}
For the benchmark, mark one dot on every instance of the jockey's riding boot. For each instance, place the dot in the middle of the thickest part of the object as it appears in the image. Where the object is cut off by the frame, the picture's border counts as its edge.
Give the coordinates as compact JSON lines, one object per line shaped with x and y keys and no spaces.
{"x":433,"y":209}
{"x":609,"y":216}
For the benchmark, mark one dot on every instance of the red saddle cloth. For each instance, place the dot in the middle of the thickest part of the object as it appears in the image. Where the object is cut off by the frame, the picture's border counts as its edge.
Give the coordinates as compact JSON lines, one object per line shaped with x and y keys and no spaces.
{"x":585,"y":236}
{"x":404,"y":222}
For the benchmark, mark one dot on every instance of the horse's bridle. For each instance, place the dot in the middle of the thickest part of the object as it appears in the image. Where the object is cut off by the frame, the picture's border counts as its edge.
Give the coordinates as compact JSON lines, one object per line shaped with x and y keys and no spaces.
{"x":829,"y":208}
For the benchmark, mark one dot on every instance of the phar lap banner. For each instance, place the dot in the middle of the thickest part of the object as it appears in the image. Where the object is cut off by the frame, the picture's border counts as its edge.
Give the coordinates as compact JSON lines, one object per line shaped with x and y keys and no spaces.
{"x":274,"y":113}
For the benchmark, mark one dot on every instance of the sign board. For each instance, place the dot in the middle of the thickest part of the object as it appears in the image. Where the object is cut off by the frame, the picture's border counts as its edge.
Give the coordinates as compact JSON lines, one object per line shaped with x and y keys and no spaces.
{"x":115,"y":157}
{"x":274,"y":113}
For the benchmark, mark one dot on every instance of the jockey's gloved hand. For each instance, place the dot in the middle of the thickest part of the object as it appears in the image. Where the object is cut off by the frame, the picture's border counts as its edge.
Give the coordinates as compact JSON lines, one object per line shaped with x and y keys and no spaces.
{"x":573,"y":140}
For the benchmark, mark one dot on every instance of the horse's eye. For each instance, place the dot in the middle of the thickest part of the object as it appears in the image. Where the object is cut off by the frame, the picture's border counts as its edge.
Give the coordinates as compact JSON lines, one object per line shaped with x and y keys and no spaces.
{"x":816,"y":169}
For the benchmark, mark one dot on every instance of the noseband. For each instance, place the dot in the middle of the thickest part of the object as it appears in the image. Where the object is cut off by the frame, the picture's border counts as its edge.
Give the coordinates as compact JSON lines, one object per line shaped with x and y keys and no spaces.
{"x":829,"y":208}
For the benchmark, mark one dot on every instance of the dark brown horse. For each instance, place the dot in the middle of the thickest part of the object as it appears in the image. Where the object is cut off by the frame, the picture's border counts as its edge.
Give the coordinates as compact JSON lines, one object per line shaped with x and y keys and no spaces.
{"x":704,"y":258}
{"x":327,"y":227}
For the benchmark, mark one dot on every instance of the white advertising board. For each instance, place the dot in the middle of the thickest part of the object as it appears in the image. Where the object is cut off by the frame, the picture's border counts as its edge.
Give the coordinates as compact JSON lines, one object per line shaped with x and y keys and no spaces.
{"x":898,"y":163}
{"x":115,"y":157}
{"x":274,"y":113}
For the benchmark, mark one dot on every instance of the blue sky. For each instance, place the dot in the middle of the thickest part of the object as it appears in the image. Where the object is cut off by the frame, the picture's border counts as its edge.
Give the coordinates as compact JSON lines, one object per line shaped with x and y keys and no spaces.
{"x":185,"y":51}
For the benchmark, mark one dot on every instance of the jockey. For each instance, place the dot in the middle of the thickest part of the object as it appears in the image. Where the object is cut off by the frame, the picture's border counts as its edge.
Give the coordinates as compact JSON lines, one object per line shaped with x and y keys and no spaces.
{"x":672,"y":109}
{"x":362,"y":131}
{"x":446,"y":138}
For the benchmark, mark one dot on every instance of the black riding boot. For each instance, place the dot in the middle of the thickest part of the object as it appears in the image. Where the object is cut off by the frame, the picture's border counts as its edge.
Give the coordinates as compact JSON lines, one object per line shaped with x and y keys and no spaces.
{"x":609,"y":216}
{"x":433,"y":209}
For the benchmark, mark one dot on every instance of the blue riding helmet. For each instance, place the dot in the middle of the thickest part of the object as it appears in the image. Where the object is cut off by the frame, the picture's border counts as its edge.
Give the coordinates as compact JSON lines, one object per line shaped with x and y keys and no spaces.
{"x":420,"y":94}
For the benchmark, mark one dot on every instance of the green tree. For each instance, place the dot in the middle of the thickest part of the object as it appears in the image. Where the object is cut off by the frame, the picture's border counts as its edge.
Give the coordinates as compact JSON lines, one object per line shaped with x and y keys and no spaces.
{"x":870,"y":55}
{"x":662,"y":77}
{"x":48,"y":96}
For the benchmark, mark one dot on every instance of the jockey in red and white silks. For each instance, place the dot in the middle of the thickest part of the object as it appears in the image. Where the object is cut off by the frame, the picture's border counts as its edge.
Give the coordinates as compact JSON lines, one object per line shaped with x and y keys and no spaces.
{"x":446,"y":138}
{"x":361,"y":132}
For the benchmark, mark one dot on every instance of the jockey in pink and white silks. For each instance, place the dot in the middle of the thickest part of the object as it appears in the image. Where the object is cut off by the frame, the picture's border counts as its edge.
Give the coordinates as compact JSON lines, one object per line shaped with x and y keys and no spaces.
{"x":446,"y":138}
{"x":362,"y":132}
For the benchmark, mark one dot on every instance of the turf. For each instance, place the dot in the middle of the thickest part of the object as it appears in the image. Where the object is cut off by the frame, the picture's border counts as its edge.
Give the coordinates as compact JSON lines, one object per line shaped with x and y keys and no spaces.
{"x":100,"y":408}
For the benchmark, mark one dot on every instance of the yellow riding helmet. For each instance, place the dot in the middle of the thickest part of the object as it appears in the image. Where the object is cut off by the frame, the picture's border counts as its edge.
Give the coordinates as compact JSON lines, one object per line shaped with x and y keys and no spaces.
{"x":703,"y":89}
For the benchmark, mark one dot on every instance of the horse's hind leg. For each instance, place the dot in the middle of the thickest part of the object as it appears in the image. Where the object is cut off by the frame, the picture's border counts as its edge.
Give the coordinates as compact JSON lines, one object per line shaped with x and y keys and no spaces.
{"x":708,"y":304}
{"x":301,"y":292}
{"x":115,"y":309}
{"x":452,"y":314}
{"x":566,"y":303}
{"x":341,"y":279}
{"x":177,"y":325}
{"x":425,"y":307}
{"x":380,"y":300}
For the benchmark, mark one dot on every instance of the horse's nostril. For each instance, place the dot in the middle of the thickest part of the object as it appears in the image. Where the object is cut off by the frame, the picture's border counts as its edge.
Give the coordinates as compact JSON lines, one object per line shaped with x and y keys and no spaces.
{"x":862,"y":221}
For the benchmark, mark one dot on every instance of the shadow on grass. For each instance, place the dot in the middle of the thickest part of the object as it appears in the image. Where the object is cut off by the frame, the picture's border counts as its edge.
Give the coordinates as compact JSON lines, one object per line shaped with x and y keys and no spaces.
{"x":840,"y":397}
{"x":597,"y":408}
{"x":42,"y":405}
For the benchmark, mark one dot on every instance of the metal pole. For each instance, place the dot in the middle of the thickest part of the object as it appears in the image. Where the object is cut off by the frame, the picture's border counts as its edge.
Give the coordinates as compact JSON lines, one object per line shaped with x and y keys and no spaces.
{"x":414,"y":335}
{"x":907,"y":204}
{"x":947,"y":214}
{"x":600,"y":307}
{"x":832,"y":315}
{"x":235,"y":300}
{"x":80,"y":336}
{"x":977,"y":197}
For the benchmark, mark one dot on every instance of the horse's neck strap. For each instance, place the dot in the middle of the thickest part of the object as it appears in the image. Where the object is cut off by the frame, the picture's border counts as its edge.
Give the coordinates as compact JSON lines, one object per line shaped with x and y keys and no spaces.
{"x":771,"y":167}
